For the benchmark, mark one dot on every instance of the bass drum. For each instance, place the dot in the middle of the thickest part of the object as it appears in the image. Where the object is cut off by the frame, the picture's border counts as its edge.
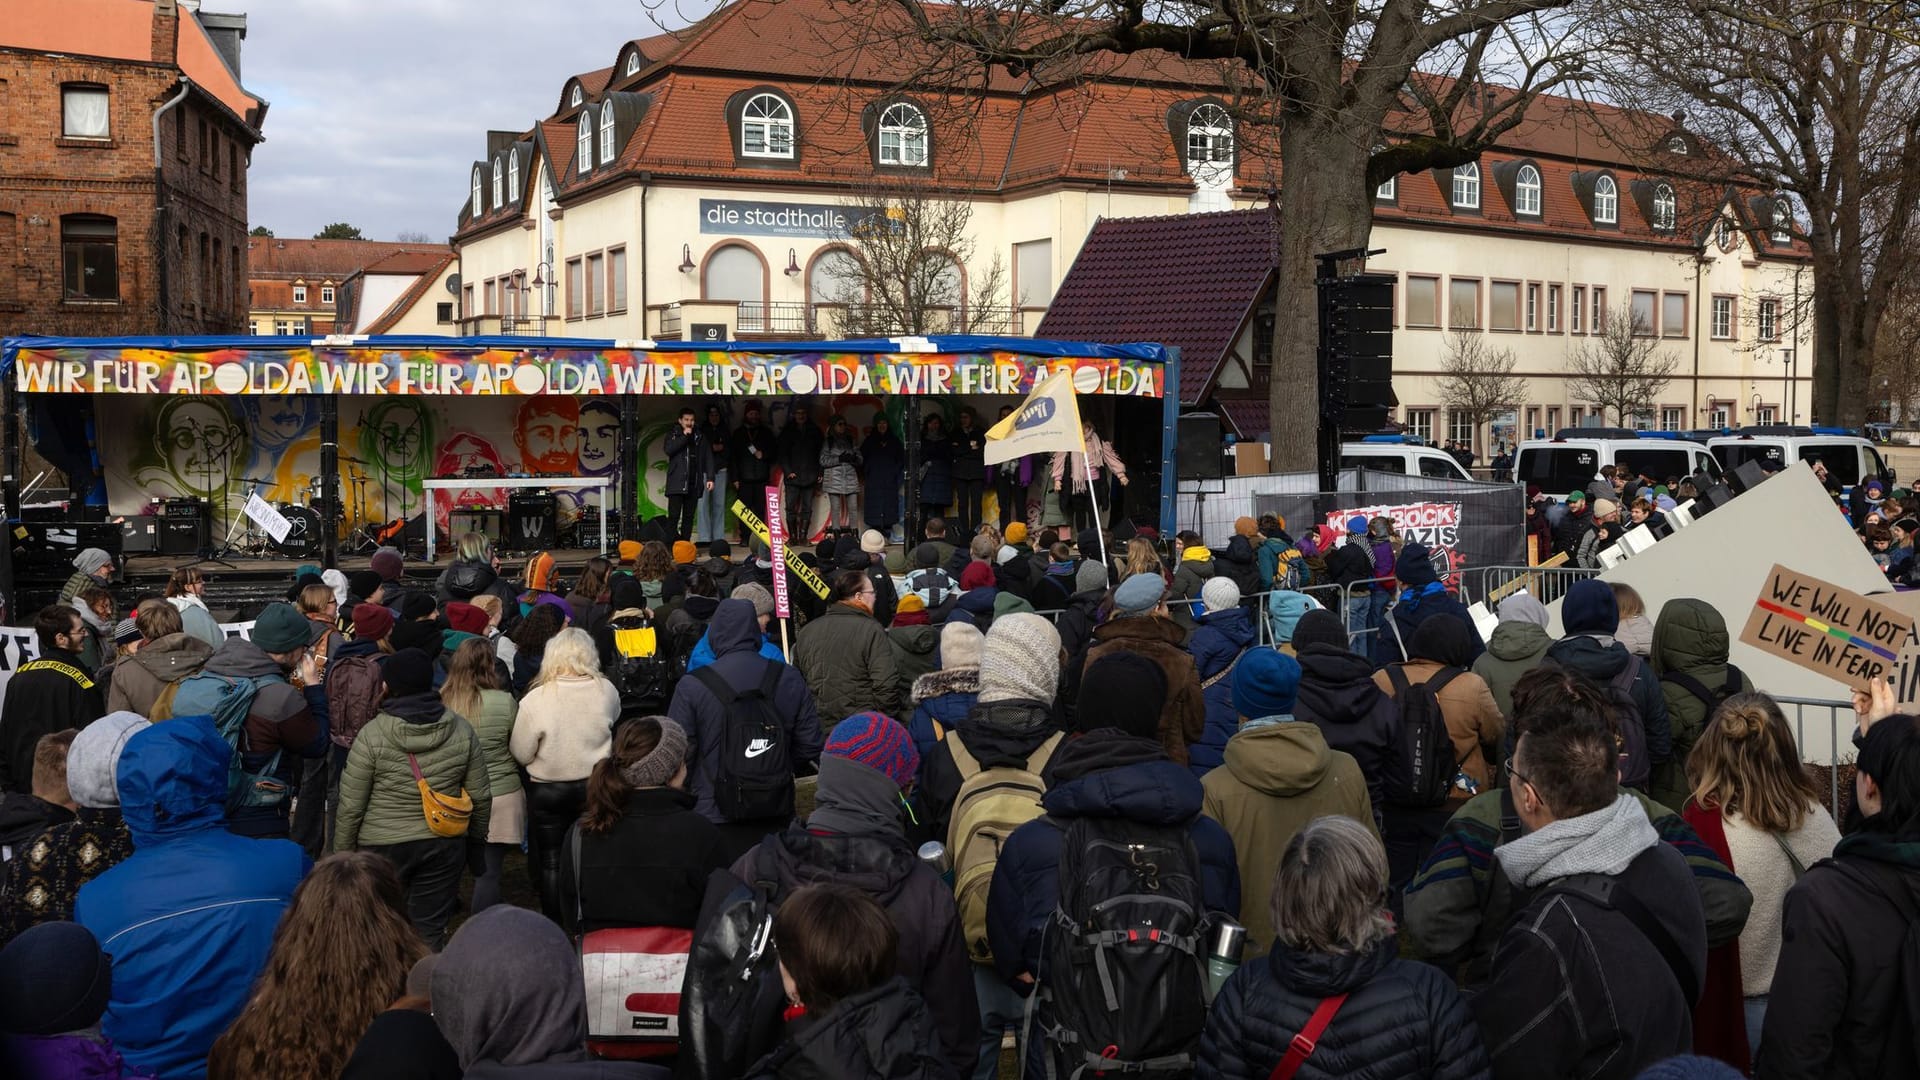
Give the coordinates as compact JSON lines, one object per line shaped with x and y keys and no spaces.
{"x":303,"y":539}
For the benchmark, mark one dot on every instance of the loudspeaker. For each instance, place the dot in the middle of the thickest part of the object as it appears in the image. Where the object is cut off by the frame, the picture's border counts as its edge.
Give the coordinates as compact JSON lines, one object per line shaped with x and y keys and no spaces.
{"x":140,"y":535}
{"x":1713,"y":495}
{"x":1748,"y":475}
{"x":186,"y":526}
{"x":48,"y":546}
{"x":1197,"y":448}
{"x":531,"y":522}
{"x":1356,"y":352}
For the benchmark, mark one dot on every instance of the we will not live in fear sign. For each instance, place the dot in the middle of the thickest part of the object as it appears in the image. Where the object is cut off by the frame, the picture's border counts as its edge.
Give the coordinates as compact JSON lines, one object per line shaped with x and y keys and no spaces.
{"x":1825,"y":628}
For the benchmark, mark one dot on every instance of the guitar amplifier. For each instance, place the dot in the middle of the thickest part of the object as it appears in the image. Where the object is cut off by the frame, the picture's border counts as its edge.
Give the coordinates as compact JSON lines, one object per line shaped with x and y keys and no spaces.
{"x":140,"y":535}
{"x":185,"y":526}
{"x":532,"y":522}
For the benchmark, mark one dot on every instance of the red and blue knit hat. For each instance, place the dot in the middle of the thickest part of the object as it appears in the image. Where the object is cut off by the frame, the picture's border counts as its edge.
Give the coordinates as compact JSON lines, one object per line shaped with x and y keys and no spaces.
{"x":879,"y":743}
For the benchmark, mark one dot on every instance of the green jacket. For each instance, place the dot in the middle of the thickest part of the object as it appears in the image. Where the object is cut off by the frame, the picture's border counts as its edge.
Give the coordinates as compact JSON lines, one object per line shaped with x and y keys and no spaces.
{"x":379,"y":800}
{"x":1690,"y":639}
{"x":494,"y":726}
{"x":916,"y":652}
{"x":1514,"y":649}
{"x":848,"y":661}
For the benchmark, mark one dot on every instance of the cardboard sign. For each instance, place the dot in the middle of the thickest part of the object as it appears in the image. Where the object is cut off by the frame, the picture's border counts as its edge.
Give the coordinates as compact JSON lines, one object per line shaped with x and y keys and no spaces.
{"x":1906,"y":678}
{"x":1825,"y":628}
{"x":800,"y":570}
{"x":777,"y":546}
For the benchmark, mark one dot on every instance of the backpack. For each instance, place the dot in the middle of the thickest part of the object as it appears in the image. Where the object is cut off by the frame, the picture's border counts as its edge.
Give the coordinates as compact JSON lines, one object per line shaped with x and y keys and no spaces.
{"x":641,"y":670}
{"x":731,"y":1000}
{"x":990,"y":805}
{"x":353,"y":697}
{"x":1636,"y":767}
{"x":229,"y":701}
{"x":1710,"y":698}
{"x":1290,"y":570}
{"x":1123,"y":975}
{"x":1425,"y":765}
{"x":754,"y":778}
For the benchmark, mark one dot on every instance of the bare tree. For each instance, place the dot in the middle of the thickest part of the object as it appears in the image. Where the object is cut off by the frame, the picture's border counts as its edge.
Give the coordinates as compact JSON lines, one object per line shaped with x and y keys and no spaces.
{"x":1477,"y":380}
{"x":904,"y":267}
{"x":1622,"y":369}
{"x":413,"y":236}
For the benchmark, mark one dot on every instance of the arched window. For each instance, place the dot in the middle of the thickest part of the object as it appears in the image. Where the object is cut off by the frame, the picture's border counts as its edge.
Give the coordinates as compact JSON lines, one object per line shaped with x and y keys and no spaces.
{"x":1664,"y":210}
{"x":513,"y":177}
{"x":834,"y":278}
{"x":734,"y":273}
{"x":478,"y":206}
{"x":1209,"y":138}
{"x":1782,"y":222}
{"x":1466,"y":186}
{"x":1526,"y":191}
{"x":903,"y":135}
{"x":575,"y":98}
{"x":1676,"y":144}
{"x":1606,"y":201}
{"x":583,"y":145}
{"x":606,"y":133}
{"x":499,"y":185}
{"x":766,"y":128}
{"x":633,"y":62}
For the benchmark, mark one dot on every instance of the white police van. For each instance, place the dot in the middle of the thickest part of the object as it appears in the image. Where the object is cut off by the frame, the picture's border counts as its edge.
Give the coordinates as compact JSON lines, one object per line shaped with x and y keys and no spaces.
{"x":1849,"y":458}
{"x":1404,"y":454}
{"x":1571,"y":460}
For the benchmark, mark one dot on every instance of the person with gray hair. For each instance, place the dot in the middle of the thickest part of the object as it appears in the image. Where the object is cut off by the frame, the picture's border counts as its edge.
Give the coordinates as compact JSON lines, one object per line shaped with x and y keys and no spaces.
{"x":1334,"y":979}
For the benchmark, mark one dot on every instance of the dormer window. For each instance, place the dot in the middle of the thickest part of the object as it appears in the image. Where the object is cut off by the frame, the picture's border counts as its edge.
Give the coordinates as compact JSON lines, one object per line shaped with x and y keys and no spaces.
{"x":903,"y":135}
{"x":606,"y":132}
{"x":1782,"y":223}
{"x":299,"y":294}
{"x":766,"y":128}
{"x":633,"y":63}
{"x":1388,"y":191}
{"x":1606,"y":201}
{"x":1526,"y":191}
{"x":583,"y":145}
{"x":513,"y":177}
{"x":499,"y":185}
{"x":1209,"y":140}
{"x":1676,"y":144}
{"x":1664,"y":212}
{"x":1466,"y":187}
{"x":574,"y":99}
{"x":478,"y":206}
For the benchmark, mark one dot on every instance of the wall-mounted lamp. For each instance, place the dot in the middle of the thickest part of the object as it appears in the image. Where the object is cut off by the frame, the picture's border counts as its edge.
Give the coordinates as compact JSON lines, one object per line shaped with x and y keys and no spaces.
{"x":686,"y":258}
{"x":793,"y":263}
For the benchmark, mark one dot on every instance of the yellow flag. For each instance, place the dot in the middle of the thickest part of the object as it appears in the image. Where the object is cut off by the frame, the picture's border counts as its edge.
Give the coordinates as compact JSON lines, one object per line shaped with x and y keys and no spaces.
{"x":1048,"y":420}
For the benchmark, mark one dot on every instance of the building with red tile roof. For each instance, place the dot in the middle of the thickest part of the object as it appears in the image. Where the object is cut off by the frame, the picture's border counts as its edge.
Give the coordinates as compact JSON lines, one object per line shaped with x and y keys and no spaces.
{"x":295,"y":285}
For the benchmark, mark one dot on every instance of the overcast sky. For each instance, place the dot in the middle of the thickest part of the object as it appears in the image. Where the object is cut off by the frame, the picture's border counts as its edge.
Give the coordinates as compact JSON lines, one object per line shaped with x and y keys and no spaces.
{"x":379,"y":107}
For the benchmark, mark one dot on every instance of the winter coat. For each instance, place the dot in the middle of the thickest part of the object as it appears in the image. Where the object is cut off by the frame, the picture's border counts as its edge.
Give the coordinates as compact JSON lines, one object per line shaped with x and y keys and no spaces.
{"x":1338,"y":695}
{"x":689,"y":461}
{"x":941,"y":701}
{"x":1514,"y":649}
{"x":1184,"y":718}
{"x":51,"y":693}
{"x":916,"y":652}
{"x":1239,"y":563}
{"x":848,"y":663}
{"x":969,"y":453}
{"x":1349,"y":564}
{"x":999,"y":733}
{"x":46,"y":872}
{"x":837,"y":475}
{"x":565,"y":727}
{"x":494,"y":727}
{"x":1690,"y":641}
{"x":1188,"y":579}
{"x":139,"y":679}
{"x":283,"y":718}
{"x":1601,"y":663}
{"x":1216,"y":646}
{"x":189,"y":918}
{"x":1579,"y":990}
{"x":379,"y":798}
{"x":936,"y":470}
{"x":886,"y":1033}
{"x":1401,"y":1021}
{"x":1267,"y":555}
{"x":463,"y":580}
{"x":1416,"y":607}
{"x":1473,"y":719}
{"x":932,"y":955}
{"x":1278,"y":776}
{"x":735,"y":636}
{"x":1839,"y":1008}
{"x":650,"y":869}
{"x":884,"y":464}
{"x":748,"y":469}
{"x":797,"y":451}
{"x":1579,"y":538}
{"x":195,"y":619}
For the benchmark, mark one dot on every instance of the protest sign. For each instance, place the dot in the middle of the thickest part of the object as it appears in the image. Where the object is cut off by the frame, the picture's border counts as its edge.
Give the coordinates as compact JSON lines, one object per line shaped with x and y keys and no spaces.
{"x":800,"y":570}
{"x":1906,"y":678}
{"x":18,"y":645}
{"x":1826,"y":629}
{"x":777,"y":546}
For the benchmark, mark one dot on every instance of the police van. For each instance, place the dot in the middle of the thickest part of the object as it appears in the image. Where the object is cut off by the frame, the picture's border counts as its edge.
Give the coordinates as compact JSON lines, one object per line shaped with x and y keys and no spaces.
{"x":1849,"y":458}
{"x":1573,"y":458}
{"x":1400,"y":454}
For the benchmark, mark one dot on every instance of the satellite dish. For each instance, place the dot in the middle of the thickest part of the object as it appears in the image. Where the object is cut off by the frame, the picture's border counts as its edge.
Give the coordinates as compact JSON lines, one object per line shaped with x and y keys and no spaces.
{"x":453,"y":284}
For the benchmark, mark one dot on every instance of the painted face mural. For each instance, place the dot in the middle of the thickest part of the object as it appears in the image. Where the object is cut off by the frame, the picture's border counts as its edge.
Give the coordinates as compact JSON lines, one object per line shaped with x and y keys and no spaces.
{"x":461,"y":451}
{"x":547,"y":432}
{"x":599,"y":437}
{"x":198,"y":446}
{"x":276,"y":420}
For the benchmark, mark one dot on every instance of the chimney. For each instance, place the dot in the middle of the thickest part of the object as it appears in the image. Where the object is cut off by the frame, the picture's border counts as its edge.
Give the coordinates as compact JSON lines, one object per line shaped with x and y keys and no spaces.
{"x":166,"y":32}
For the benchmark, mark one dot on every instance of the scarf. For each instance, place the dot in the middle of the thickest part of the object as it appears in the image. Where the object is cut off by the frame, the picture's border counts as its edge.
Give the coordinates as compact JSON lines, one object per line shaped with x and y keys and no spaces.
{"x":1411,"y":598}
{"x":1602,"y":842}
{"x":1196,"y":553}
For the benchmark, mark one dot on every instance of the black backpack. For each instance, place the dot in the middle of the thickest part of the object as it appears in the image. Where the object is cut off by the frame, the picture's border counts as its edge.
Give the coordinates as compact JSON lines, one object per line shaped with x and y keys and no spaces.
{"x":643,"y":668}
{"x":754,"y":778}
{"x":1124,"y":955}
{"x":1424,"y":766}
{"x":1636,"y":766}
{"x":731,"y":1001}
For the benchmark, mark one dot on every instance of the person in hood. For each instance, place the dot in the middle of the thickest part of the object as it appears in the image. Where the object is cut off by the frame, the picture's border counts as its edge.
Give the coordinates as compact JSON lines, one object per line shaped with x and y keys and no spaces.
{"x":415,"y":735}
{"x":1013,"y":716}
{"x":189,"y":917}
{"x":171,"y":654}
{"x":1285,"y":607}
{"x":1193,"y":571}
{"x":49,"y":693}
{"x":1338,"y":695}
{"x":845,"y":654}
{"x":1690,"y":647}
{"x":1422,"y":596}
{"x":701,"y":609}
{"x":735,"y":637}
{"x":942,"y":699}
{"x":1279,"y":775}
{"x":1223,"y":635}
{"x":1517,"y":646}
{"x":1842,"y":989}
{"x":509,"y":996}
{"x":1140,"y":623}
{"x":1398,"y":1018}
{"x":855,"y":837}
{"x":848,"y":1014}
{"x":1590,"y":616}
{"x":1117,"y":767}
{"x":54,"y":986}
{"x":44,"y":877}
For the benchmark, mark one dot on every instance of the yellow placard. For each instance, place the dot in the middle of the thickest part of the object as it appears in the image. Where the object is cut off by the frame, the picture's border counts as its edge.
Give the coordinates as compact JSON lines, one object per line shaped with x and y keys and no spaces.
{"x":800,"y":570}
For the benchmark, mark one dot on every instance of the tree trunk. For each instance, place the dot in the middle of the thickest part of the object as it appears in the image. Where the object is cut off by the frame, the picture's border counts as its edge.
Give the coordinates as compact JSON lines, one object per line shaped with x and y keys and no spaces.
{"x":1324,"y":206}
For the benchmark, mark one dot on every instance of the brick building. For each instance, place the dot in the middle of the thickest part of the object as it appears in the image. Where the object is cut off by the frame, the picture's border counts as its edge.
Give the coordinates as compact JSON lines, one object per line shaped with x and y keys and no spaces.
{"x":125,"y":135}
{"x":296,"y":286}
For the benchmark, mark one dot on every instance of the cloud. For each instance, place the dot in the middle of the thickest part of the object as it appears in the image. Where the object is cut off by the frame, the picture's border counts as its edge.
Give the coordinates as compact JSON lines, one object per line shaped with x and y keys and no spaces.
{"x":380,"y":107}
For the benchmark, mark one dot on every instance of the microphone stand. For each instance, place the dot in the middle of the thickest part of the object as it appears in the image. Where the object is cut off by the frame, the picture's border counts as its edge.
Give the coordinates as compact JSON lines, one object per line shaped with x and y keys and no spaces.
{"x":208,"y":554}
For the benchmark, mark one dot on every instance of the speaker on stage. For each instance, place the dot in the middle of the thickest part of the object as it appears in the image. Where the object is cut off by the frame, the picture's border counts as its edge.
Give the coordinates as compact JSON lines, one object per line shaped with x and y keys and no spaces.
{"x":532,"y":521}
{"x":186,"y":526}
{"x":1197,"y":448}
{"x":140,"y":535}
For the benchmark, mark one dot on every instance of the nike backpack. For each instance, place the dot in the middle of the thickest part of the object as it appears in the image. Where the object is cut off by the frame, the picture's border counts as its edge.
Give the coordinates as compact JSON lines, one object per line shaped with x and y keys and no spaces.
{"x":755,"y":775}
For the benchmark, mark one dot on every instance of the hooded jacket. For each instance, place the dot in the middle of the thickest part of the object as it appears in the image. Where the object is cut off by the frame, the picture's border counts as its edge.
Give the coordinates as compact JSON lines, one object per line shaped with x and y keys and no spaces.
{"x":916,"y":652}
{"x":1514,"y":649}
{"x":1216,"y":646}
{"x":1184,"y":718}
{"x":1277,"y":777}
{"x":1690,"y":639}
{"x":1239,"y":563}
{"x":1338,"y":695}
{"x":189,"y":917}
{"x":1400,"y":1019}
{"x":649,"y":869}
{"x":735,"y":636}
{"x":464,"y":580}
{"x":941,"y":701}
{"x":998,"y":733}
{"x":886,"y":1033}
{"x":848,"y":663}
{"x":1416,"y":605}
{"x":53,"y":694}
{"x":138,"y":680}
{"x":1188,"y":579}
{"x":379,"y":799}
{"x":282,"y":718}
{"x":1585,"y":654}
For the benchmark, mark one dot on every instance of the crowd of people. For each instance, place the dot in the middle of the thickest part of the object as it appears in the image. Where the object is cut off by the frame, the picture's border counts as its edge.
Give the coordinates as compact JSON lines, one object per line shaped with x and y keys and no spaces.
{"x":997,"y":790}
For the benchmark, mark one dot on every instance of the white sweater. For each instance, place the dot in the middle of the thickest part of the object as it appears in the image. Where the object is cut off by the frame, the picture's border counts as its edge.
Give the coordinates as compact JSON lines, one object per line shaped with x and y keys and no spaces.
{"x":1767,"y":873}
{"x":565,"y":727}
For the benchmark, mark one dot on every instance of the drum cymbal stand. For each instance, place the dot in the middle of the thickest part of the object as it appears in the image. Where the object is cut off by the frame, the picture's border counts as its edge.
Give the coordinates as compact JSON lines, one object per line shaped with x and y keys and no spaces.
{"x":208,"y":445}
{"x":242,"y":523}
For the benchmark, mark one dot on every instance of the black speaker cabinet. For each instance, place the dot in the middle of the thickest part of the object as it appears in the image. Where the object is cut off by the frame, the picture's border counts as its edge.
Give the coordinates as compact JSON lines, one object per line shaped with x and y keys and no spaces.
{"x":140,"y":535}
{"x":531,"y":522}
{"x":1748,"y":475}
{"x":1197,"y":448}
{"x":186,"y":526}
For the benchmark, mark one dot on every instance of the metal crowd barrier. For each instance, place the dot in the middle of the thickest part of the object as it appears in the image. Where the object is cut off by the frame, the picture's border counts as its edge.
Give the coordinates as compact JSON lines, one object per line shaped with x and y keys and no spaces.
{"x":1492,"y":584}
{"x":1823,"y":728}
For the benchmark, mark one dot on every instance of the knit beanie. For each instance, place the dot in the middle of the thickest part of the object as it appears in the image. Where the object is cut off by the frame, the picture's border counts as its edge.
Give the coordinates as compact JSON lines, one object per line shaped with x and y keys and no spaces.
{"x":908,"y":603}
{"x":414,"y":606}
{"x":1219,"y":594}
{"x":362,"y":583}
{"x":423,"y":636}
{"x":1265,"y":683}
{"x":1576,"y":497}
{"x":629,"y":551}
{"x":388,"y":564}
{"x":756,"y":594}
{"x":1357,"y":525}
{"x":977,"y":575}
{"x":624,"y":592}
{"x":879,"y":743}
{"x":1122,"y":690}
{"x":371,"y":622}
{"x":1016,"y":532}
{"x":337,"y":581}
{"x":279,"y":628}
{"x":1245,"y":526}
{"x":1088,"y":543}
{"x":1590,"y":608}
{"x":1020,"y":660}
{"x":93,"y":761}
{"x":1604,"y":507}
{"x":466,"y":618}
{"x":53,"y":979}
{"x":684,"y":553}
{"x":407,"y":672}
{"x":925,"y":555}
{"x":720,"y":549}
{"x":1090,"y":575}
{"x":659,"y":766}
{"x":91,"y":559}
{"x":961,"y":645}
{"x":1139,"y":595}
{"x":1415,"y":566}
{"x":873,"y":543}
{"x":126,"y":632}
{"x":1320,"y":627}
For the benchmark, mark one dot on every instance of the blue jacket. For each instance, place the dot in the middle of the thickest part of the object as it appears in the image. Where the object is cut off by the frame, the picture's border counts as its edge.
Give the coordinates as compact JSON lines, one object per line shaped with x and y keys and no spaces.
{"x":702,"y":653}
{"x":944,"y":697}
{"x":1417,"y":606}
{"x":1216,"y":643}
{"x":189,"y":918}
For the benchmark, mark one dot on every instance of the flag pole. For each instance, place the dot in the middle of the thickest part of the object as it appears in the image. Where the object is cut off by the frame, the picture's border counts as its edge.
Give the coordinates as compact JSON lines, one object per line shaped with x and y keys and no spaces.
{"x":1099,"y":526}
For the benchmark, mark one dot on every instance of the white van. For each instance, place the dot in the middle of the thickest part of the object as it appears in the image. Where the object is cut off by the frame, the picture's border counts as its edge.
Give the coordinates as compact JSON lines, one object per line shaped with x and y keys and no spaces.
{"x":1573,"y":458}
{"x":1849,"y":458}
{"x":1400,"y":454}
